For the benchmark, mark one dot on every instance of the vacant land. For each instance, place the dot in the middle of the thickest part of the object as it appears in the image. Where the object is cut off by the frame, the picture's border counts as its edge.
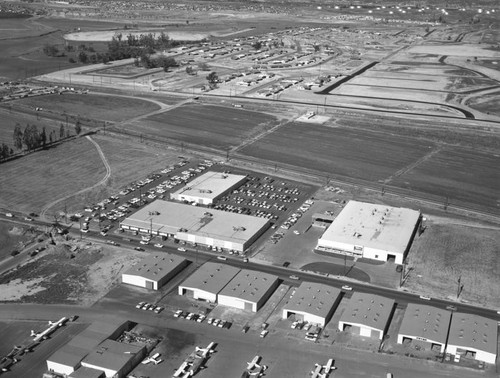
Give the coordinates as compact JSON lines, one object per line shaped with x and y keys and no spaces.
{"x":70,"y":272}
{"x":212,"y":126}
{"x":447,"y":251}
{"x":95,"y":106}
{"x":338,"y":151}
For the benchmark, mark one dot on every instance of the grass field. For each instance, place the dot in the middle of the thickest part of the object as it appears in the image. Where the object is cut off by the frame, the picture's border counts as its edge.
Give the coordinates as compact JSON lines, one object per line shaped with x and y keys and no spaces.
{"x":101,"y":107}
{"x":445,"y":252}
{"x":213,"y":126}
{"x":29,"y":183}
{"x":338,"y":151}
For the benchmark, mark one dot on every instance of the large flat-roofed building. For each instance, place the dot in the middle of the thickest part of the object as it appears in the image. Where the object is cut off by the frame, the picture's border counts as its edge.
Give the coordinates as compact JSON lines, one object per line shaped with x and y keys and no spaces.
{"x":367,"y":315}
{"x":214,"y":228}
{"x":85,"y":372}
{"x":248,"y":290}
{"x":473,"y":336}
{"x":114,"y":358}
{"x":425,"y":326}
{"x":207,"y":188}
{"x":313,"y":302}
{"x":371,"y":231}
{"x":154,"y":270}
{"x":208,"y":281}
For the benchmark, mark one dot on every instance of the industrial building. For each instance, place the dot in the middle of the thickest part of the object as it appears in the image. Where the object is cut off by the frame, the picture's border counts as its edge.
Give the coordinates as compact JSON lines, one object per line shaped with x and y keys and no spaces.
{"x":248,"y":290}
{"x":196,"y":225}
{"x":313,"y":303}
{"x":68,"y":359}
{"x":371,"y":231}
{"x":367,"y":315}
{"x":115,"y":359}
{"x":473,"y":336}
{"x":154,"y":271}
{"x":208,"y":281}
{"x":426,"y":326}
{"x":207,"y":188}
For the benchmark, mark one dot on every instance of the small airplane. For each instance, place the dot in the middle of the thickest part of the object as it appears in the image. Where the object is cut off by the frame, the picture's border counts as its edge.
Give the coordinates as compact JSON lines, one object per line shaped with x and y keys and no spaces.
{"x":253,"y":363}
{"x":258,"y":372}
{"x":181,"y":370}
{"x":317,"y":371}
{"x":205,"y":351}
{"x":329,"y":366}
{"x":37,"y":336}
{"x":154,"y":359}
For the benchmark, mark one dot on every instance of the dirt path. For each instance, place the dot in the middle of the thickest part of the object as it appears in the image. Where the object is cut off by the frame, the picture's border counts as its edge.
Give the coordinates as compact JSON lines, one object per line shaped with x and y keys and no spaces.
{"x":101,"y":182}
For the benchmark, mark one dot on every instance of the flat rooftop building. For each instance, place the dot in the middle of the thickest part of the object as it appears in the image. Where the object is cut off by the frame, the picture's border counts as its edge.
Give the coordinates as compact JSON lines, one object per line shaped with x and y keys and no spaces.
{"x":214,"y":228}
{"x":207,"y":188}
{"x":371,"y":231}
{"x":367,"y":315}
{"x":473,"y":336}
{"x":312,"y":302}
{"x":425,"y":325}
{"x":153,"y":271}
{"x":208,"y":281}
{"x":114,"y":358}
{"x":248,"y":290}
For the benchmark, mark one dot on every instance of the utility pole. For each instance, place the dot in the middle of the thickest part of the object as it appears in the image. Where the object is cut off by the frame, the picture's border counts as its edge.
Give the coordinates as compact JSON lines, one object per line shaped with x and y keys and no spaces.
{"x":459,"y":287}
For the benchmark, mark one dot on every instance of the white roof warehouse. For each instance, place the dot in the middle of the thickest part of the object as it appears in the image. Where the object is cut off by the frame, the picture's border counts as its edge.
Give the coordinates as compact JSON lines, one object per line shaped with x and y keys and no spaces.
{"x":198,"y":225}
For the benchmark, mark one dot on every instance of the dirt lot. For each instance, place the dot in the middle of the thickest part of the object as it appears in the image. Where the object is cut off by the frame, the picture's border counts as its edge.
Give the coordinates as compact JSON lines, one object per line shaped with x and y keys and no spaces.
{"x":449,"y":250}
{"x":75,"y":272}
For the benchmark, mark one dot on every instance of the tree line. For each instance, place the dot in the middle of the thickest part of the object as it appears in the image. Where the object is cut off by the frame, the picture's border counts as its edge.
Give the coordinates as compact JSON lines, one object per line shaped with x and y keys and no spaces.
{"x":32,"y":138}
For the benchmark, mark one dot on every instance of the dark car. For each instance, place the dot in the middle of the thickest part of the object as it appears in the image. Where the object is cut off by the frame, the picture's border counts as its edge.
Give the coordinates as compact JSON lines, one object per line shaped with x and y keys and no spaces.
{"x":139,"y":249}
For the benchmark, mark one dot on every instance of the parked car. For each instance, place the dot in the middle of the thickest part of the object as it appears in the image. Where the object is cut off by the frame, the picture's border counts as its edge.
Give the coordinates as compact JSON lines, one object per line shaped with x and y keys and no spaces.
{"x":181,"y":249}
{"x":264,"y":333}
{"x":140,"y":304}
{"x":346,"y":287}
{"x":294,"y":277}
{"x":424,"y":297}
{"x":177,"y":313}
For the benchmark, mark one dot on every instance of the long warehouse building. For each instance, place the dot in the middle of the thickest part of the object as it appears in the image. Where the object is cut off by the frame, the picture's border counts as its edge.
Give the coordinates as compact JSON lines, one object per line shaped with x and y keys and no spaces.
{"x":371,"y":231}
{"x":196,"y":225}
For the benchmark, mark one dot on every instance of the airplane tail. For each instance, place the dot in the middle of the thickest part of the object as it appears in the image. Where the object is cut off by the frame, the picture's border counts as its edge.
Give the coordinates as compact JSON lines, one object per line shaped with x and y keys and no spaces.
{"x":33,"y":333}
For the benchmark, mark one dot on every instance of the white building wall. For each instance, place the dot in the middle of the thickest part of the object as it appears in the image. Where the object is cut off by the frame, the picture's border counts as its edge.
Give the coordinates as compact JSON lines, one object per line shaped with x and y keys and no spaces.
{"x":199,"y":294}
{"x":60,"y":368}
{"x":489,"y":358}
{"x":363,"y":331}
{"x":401,"y":336}
{"x":108,"y":372}
{"x":235,"y":302}
{"x":133,"y":280}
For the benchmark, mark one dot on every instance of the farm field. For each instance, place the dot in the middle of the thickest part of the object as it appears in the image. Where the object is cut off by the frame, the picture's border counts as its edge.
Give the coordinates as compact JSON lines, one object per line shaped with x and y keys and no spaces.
{"x":101,"y":107}
{"x":339,"y":151}
{"x":464,"y":176}
{"x":212,"y":126}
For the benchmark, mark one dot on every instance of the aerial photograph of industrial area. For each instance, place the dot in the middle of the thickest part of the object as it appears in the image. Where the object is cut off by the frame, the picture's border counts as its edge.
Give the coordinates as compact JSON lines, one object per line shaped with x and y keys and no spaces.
{"x":249,"y":188}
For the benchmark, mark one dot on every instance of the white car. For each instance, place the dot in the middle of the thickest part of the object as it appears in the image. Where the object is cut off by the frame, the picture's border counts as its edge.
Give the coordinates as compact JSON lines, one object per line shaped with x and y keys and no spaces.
{"x":293,"y":277}
{"x":223,"y":258}
{"x":144,"y":242}
{"x":296,"y":232}
{"x":158,"y":245}
{"x":347,"y":288}
{"x":264,"y":333}
{"x":177,"y":313}
{"x":424,"y":297}
{"x":181,"y":249}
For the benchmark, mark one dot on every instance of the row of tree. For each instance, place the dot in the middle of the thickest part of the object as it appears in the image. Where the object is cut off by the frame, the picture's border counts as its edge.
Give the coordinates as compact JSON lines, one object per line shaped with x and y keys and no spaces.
{"x":147,"y":61}
{"x":136,"y":46}
{"x":5,"y":151}
{"x":32,"y":138}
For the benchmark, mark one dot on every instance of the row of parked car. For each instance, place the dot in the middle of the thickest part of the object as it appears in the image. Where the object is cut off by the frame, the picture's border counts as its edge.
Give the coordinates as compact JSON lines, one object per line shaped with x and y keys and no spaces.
{"x":200,"y":318}
{"x":145,"y":306}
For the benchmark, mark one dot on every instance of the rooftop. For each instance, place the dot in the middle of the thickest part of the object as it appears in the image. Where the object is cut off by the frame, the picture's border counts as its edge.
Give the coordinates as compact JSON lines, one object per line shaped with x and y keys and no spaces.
{"x":369,"y":310}
{"x":374,"y":226}
{"x":210,"y":185}
{"x":112,"y":355}
{"x":249,"y":285}
{"x":156,"y":266}
{"x":170,"y":217}
{"x":313,"y":298}
{"x":85,"y":372}
{"x":211,"y":277}
{"x":69,"y":355}
{"x":473,"y":331}
{"x":427,"y":322}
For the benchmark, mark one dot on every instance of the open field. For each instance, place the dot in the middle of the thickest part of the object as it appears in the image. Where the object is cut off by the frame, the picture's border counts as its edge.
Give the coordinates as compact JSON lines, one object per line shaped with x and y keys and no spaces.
{"x":100,"y":107}
{"x":29,"y":183}
{"x":463,"y":176}
{"x":212,"y":126}
{"x":338,"y":151}
{"x":447,"y":251}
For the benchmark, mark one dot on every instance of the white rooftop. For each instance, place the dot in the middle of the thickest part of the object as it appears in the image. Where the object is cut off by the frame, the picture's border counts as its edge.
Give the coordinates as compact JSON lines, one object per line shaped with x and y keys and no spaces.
{"x":210,"y":185}
{"x":155,"y":266}
{"x":375,"y":226}
{"x":313,"y":298}
{"x":211,"y":277}
{"x":368,"y":310}
{"x":249,"y":285}
{"x":427,"y":322}
{"x":473,"y":331}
